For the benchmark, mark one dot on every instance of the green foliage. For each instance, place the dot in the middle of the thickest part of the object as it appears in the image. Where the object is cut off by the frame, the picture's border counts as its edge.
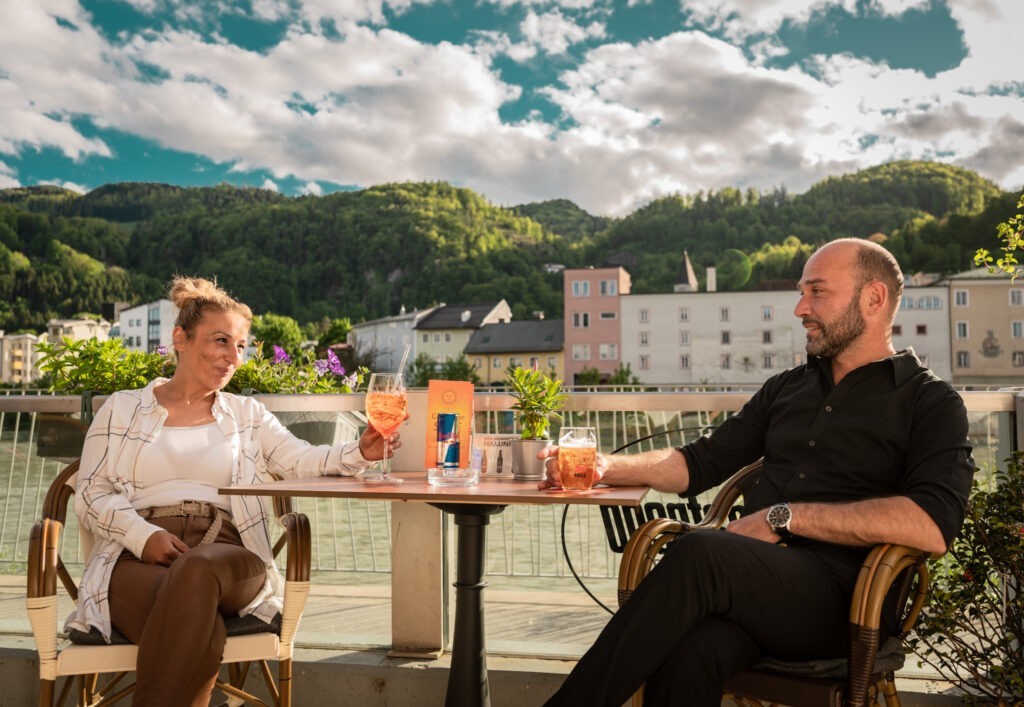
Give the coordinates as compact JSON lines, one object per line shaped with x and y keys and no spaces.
{"x":423,"y":369}
{"x":538,"y":398}
{"x":972,"y":628}
{"x":364,"y":254}
{"x":76,"y":366}
{"x":623,"y":375}
{"x":303,"y":374}
{"x":277,"y":330}
{"x":329,"y":331}
{"x":1011,"y":232}
{"x":588,"y":376}
{"x":420,"y":370}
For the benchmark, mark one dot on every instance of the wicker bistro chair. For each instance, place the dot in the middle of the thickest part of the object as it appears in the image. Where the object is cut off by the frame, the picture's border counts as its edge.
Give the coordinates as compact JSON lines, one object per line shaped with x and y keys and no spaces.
{"x":86,"y":656}
{"x":867,"y":671}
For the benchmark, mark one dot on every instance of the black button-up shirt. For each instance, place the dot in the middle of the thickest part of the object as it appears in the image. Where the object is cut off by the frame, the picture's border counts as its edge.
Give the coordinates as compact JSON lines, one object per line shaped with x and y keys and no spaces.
{"x":889,"y":428}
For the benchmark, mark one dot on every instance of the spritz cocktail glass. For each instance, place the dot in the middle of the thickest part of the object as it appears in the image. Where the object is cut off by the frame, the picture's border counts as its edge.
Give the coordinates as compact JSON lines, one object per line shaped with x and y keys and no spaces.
{"x":386,"y":405}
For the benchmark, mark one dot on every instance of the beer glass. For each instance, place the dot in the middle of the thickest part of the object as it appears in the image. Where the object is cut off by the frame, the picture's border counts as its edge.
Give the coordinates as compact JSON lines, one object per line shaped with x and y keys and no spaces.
{"x":577,"y":457}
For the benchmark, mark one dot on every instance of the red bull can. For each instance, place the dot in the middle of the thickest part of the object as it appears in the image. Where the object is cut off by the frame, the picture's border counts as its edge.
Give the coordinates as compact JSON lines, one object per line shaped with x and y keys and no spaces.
{"x":448,"y":440}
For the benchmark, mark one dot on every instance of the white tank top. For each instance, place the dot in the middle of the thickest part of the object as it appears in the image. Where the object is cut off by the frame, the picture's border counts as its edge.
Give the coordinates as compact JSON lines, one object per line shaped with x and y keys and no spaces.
{"x":186,"y":464}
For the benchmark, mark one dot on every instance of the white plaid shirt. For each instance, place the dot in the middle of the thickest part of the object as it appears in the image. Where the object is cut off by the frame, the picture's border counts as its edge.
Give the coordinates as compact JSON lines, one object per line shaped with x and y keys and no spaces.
{"x":113,"y":469}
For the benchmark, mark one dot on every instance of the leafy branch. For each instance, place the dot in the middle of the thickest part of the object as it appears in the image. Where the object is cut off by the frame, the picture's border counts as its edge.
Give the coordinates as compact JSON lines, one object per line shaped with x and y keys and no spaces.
{"x":1011,"y":232}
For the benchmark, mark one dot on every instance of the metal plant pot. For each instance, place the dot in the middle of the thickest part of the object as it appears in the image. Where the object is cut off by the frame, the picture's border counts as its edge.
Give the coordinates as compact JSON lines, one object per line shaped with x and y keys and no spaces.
{"x":525,"y":464}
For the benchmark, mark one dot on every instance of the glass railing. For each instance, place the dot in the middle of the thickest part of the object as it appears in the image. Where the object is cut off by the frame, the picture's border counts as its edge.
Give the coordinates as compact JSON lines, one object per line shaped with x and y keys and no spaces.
{"x":527,"y":546}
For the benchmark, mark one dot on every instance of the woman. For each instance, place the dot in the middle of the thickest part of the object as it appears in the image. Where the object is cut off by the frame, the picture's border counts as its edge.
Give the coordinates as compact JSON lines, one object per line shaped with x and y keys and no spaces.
{"x":173,"y":556}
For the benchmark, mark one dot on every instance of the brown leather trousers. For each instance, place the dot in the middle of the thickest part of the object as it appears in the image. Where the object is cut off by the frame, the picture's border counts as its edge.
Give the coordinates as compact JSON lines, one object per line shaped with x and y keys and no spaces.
{"x":175,"y":614}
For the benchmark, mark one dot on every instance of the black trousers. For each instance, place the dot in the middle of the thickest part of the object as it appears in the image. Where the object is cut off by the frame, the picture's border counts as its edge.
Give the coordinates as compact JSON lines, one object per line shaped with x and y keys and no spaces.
{"x":712,"y":606}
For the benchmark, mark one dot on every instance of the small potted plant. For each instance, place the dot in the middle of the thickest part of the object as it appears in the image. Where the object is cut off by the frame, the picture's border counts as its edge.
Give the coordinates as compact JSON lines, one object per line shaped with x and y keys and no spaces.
{"x":538,"y":398}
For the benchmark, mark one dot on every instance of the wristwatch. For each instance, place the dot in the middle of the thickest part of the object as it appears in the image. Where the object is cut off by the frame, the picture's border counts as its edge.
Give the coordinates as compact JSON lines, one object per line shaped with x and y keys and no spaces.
{"x":779,"y":517}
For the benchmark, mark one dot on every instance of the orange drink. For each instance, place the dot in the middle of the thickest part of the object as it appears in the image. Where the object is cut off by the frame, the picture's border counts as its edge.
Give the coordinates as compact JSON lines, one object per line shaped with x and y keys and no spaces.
{"x":385,"y":411}
{"x":577,"y":458}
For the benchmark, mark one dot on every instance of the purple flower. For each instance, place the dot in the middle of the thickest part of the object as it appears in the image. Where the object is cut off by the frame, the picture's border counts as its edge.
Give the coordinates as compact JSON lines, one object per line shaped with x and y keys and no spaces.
{"x":161,"y":350}
{"x":321,"y":366}
{"x":280,"y":355}
{"x":334,"y":364}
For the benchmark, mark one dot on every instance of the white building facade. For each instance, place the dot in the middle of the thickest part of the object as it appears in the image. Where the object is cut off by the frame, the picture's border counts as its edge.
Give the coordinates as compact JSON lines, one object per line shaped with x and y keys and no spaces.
{"x":922,"y":322}
{"x":694,"y":338}
{"x":148,"y":326}
{"x":385,"y":339}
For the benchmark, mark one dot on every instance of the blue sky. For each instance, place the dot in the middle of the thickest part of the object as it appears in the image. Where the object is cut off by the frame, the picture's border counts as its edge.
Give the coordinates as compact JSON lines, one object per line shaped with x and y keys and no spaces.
{"x":609,"y":103}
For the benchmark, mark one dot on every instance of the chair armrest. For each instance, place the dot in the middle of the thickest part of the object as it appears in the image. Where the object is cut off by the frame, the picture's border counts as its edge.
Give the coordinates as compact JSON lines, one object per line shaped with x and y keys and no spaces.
{"x":730,"y":492}
{"x":298,"y":540}
{"x":44,"y":539}
{"x":883,"y":567}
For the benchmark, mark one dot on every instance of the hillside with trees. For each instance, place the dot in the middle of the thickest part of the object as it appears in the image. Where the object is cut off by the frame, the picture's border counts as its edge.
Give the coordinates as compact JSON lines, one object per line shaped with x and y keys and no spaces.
{"x":364,"y":254}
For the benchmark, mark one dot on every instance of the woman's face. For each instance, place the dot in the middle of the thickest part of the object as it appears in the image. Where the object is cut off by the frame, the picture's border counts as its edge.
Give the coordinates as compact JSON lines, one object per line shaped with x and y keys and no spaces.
{"x":214,"y":350}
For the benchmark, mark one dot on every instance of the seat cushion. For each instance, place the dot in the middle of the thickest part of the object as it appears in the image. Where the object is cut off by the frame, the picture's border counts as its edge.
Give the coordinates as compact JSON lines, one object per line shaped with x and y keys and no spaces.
{"x":235,"y":625}
{"x":890,"y":658}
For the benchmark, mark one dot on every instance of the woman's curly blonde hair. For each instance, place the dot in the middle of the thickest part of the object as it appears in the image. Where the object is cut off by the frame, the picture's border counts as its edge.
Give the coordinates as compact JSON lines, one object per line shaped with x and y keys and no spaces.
{"x":196,"y":295}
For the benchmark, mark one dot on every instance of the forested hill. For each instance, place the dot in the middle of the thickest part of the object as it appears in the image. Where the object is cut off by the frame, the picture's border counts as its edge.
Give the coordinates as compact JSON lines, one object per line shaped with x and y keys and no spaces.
{"x":364,"y":254}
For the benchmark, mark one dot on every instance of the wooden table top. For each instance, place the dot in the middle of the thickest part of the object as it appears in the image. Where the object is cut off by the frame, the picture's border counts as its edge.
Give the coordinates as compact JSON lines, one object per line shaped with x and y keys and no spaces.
{"x":493,"y":490}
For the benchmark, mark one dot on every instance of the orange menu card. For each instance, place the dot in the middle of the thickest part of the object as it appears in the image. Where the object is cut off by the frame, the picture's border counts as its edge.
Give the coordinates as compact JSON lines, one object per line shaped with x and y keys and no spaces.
{"x":449,"y":396}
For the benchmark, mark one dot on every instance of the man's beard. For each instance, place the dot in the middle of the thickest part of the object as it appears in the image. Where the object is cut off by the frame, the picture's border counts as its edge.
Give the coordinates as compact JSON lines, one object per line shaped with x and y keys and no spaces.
{"x":834,"y":338}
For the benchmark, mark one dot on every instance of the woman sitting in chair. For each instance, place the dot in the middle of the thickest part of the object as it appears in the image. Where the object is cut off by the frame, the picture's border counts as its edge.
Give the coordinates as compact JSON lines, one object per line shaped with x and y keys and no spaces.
{"x":173,"y":557}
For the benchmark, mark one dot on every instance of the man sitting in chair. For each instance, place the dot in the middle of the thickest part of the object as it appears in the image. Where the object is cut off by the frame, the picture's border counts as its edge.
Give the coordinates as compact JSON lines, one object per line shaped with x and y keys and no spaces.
{"x":862,"y":445}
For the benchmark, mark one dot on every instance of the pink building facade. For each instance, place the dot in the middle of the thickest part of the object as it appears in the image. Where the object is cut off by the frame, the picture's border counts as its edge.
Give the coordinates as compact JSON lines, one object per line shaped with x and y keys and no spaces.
{"x":592,"y":314}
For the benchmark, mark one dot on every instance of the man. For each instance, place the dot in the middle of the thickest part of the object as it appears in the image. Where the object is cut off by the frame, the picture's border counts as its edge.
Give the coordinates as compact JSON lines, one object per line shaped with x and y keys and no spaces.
{"x":862,"y":445}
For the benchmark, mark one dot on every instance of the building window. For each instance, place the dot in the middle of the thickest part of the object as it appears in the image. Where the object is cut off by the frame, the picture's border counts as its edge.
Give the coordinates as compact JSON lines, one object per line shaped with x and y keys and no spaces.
{"x":447,"y":337}
{"x":645,"y":316}
{"x":766,"y":361}
{"x":961,"y":330}
{"x":1017,"y":330}
{"x":437,"y":338}
{"x":1018,"y":359}
{"x":609,"y":315}
{"x":1016,"y":297}
{"x":897,"y":329}
{"x":960,"y":298}
{"x":922,"y":329}
{"x":608,"y":352}
{"x":609,"y":288}
{"x":766,"y":336}
{"x":726,"y":361}
{"x":644,"y":338}
{"x":723,"y":314}
{"x":645,"y":362}
{"x":963,"y":359}
{"x":766,"y":313}
{"x":495,"y":362}
{"x":426,"y":338}
{"x":726,"y":338}
{"x":684,"y":361}
{"x":515,"y":362}
{"x":534,"y":361}
{"x":581,"y":352}
{"x":477,"y":363}
{"x":684,"y":338}
{"x":581,"y":320}
{"x":551,"y":362}
{"x":907,"y":302}
{"x":581,"y":288}
{"x":684,"y":314}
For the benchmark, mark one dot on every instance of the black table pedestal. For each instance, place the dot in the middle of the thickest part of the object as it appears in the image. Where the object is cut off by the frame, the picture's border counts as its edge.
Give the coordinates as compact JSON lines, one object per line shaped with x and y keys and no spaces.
{"x":467,"y":678}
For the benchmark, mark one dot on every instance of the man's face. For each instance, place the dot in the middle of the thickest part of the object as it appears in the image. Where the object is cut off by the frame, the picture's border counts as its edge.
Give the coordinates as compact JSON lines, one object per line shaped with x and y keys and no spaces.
{"x":829,"y":303}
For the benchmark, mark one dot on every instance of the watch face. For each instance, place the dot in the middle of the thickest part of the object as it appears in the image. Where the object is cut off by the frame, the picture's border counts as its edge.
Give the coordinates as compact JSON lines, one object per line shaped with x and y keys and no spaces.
{"x":778,"y":516}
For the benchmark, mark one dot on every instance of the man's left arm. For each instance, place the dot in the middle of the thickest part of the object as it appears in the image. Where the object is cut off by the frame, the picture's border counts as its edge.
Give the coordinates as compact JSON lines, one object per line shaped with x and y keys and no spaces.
{"x":895,"y":519}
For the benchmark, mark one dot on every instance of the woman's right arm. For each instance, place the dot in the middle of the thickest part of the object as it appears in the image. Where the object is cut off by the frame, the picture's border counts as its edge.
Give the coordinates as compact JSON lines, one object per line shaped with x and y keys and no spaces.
{"x":101,"y":504}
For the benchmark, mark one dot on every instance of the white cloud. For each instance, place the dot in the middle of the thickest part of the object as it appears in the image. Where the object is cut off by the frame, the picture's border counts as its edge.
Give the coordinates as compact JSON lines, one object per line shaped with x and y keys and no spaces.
{"x":270,"y":185}
{"x":554,"y":32}
{"x":311,"y":189}
{"x":682,"y":113}
{"x":8,"y":176}
{"x":66,"y":185}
